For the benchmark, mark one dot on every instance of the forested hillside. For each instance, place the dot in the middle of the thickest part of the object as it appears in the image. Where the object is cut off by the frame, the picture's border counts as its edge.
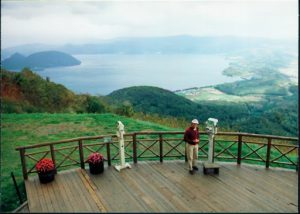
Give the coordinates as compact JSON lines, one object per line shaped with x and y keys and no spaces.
{"x":159,"y":101}
{"x":26,"y":91}
{"x":276,"y":115}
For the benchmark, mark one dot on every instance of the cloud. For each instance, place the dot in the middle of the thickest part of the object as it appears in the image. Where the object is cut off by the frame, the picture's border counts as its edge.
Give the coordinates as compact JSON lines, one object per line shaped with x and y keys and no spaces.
{"x":56,"y":22}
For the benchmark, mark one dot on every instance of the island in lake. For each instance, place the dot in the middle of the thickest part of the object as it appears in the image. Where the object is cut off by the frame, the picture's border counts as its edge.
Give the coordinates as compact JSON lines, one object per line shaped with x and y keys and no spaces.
{"x":39,"y":60}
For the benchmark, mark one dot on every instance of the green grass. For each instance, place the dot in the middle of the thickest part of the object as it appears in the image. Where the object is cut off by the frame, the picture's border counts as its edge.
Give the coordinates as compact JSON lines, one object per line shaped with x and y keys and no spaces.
{"x":30,"y":129}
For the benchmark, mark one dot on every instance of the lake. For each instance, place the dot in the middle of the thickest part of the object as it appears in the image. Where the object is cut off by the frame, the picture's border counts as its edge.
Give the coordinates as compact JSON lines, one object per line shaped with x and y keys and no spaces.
{"x":101,"y":74}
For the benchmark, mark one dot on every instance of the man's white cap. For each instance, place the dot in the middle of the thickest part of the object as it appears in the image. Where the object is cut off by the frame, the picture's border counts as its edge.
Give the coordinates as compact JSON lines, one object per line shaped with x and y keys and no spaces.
{"x":195,"y":121}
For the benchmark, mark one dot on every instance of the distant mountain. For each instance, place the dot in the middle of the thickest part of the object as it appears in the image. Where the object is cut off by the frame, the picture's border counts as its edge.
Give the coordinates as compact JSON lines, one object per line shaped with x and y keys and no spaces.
{"x":39,"y":61}
{"x":164,"y":45}
{"x":180,"y":44}
{"x":26,"y":49}
{"x":14,"y":62}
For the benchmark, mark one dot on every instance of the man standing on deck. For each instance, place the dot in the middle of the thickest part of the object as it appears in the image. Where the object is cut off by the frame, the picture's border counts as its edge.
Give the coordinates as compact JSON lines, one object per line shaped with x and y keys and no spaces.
{"x":191,"y":137}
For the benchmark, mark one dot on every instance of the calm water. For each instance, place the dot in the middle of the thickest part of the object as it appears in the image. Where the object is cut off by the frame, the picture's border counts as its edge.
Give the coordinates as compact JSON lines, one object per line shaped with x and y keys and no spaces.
{"x":102,"y":74}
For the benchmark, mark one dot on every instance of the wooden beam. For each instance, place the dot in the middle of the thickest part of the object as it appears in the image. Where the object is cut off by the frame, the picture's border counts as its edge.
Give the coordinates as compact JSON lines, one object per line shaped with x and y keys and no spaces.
{"x":81,"y":154}
{"x":134,"y":148}
{"x":108,"y":153}
{"x":23,"y":162}
{"x":53,"y":156}
{"x":239,"y":155}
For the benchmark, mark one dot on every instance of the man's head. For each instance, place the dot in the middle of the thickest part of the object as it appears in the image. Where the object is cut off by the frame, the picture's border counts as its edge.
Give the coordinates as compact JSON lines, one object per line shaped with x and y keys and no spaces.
{"x":194,"y":123}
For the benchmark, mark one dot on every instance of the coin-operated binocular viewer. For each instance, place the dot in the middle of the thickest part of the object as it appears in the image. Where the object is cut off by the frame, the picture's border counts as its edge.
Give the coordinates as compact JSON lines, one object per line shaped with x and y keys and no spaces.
{"x":120,"y":133}
{"x":211,"y":129}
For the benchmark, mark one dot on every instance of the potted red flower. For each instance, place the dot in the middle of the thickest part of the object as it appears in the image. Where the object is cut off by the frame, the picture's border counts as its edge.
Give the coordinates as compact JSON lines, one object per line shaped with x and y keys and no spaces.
{"x":46,"y":170}
{"x":96,"y":163}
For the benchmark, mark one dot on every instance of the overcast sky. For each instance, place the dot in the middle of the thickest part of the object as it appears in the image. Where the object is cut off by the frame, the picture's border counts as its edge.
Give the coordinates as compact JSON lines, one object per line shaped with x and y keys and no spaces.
{"x":59,"y":22}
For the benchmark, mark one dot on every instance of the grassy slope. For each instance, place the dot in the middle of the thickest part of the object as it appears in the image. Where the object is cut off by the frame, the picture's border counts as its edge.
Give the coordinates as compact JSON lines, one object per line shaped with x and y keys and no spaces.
{"x":28,"y":129}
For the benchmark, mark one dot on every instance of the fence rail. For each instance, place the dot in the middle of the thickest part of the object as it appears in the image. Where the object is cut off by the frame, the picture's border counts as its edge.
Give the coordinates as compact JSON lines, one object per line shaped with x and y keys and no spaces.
{"x":163,"y":145}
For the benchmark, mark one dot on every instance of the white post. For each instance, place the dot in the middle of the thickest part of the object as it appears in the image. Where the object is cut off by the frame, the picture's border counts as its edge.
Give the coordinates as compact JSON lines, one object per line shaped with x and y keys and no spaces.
{"x":211,"y":128}
{"x":211,"y":148}
{"x":120,"y":133}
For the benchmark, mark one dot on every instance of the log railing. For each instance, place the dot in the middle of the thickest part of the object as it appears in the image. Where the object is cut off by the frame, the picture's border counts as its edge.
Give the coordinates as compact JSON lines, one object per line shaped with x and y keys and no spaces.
{"x":265,"y":149}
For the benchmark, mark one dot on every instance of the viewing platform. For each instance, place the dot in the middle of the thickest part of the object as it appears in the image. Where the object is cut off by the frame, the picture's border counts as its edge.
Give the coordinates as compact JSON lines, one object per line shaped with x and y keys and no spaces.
{"x":158,"y":180}
{"x":167,"y":187}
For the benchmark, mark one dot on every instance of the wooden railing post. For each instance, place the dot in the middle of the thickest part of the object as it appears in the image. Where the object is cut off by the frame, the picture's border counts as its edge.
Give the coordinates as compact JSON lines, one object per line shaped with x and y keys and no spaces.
{"x":268,"y":152}
{"x":297,"y":160}
{"x":108,"y":153}
{"x":161,"y":155}
{"x":134,"y":148}
{"x":23,"y":162}
{"x":53,"y":156}
{"x":185,"y":158}
{"x":82,"y":165}
{"x":239,"y":155}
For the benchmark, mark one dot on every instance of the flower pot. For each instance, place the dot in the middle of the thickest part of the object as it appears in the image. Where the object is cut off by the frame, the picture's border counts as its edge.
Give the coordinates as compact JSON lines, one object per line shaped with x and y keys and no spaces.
{"x":46,"y":177}
{"x":96,"y":168}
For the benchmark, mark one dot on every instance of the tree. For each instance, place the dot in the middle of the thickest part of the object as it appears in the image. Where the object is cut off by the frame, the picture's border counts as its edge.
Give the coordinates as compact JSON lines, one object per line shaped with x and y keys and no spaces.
{"x":125,"y":109}
{"x":94,"y":105}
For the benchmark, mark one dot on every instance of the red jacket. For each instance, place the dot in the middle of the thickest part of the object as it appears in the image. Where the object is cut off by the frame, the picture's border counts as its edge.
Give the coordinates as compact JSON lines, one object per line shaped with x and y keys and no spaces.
{"x":190,"y":135}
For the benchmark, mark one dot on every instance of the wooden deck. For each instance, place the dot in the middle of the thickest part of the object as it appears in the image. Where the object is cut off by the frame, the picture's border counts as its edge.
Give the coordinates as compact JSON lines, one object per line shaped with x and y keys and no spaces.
{"x":167,"y":187}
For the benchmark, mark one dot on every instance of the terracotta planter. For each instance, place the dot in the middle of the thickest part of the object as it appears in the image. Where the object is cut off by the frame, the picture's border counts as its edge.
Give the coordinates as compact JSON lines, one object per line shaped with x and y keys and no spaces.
{"x":96,"y":168}
{"x":46,"y":177}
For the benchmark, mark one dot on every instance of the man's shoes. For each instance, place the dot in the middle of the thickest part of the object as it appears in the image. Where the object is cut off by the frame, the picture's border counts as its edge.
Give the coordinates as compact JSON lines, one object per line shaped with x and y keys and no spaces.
{"x":191,"y":172}
{"x":195,"y":168}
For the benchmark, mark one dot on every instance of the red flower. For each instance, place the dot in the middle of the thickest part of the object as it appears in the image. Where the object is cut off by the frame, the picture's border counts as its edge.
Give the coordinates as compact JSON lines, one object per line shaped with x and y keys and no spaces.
{"x":44,"y":165}
{"x":95,"y":158}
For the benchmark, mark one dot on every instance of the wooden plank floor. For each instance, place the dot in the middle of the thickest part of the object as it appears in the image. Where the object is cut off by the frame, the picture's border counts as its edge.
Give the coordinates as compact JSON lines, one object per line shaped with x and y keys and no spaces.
{"x":167,"y":187}
{"x":69,"y":192}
